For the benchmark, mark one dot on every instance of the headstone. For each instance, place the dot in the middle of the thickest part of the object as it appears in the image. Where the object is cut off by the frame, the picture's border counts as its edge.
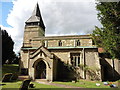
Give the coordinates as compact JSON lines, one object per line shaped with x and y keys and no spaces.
{"x":14,"y":76}
{"x":25,"y":84}
{"x":7,"y":77}
{"x":31,"y":85}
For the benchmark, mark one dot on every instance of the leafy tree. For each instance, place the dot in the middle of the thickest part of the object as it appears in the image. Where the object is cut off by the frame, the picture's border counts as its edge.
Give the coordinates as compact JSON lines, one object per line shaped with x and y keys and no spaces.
{"x":15,"y":58}
{"x":108,"y":36}
{"x":7,"y":47}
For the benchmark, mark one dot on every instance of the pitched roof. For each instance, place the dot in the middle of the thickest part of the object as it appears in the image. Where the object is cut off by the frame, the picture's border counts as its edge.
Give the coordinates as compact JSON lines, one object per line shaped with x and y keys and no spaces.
{"x":44,"y":50}
{"x":36,"y":16}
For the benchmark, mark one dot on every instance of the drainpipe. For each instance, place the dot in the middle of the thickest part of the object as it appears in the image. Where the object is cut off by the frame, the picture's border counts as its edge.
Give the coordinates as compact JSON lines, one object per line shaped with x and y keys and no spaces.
{"x":28,"y":60}
{"x":84,"y":73}
{"x":113,"y":67}
{"x":20,"y":62}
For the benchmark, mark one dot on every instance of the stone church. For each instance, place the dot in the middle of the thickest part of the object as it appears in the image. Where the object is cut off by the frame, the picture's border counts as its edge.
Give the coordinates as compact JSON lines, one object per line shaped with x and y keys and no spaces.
{"x":50,"y":57}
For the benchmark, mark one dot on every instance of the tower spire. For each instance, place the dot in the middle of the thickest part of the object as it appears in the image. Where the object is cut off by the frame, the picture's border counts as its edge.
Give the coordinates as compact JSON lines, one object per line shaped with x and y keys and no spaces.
{"x":36,"y":17}
{"x":36,"y":11}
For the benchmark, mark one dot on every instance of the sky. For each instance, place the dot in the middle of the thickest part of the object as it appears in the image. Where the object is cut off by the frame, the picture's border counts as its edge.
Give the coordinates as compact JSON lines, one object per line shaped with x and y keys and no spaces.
{"x":6,"y":6}
{"x":61,"y":17}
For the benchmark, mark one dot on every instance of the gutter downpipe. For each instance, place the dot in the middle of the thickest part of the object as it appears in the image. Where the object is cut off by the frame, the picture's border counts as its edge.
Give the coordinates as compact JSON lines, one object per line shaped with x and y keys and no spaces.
{"x":28,"y":61}
{"x":84,"y":73}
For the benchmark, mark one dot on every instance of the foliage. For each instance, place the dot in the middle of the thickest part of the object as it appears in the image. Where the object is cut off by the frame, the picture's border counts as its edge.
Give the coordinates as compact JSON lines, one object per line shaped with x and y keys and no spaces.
{"x":7,"y":47}
{"x":119,"y":80}
{"x":108,"y":36}
{"x":93,"y":72}
{"x":81,"y":66}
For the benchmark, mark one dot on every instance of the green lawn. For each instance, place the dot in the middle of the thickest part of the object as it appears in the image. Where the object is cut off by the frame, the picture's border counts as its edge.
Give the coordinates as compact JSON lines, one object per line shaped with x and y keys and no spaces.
{"x":17,"y":85}
{"x":14,"y":69}
{"x":85,"y":84}
{"x":10,"y":68}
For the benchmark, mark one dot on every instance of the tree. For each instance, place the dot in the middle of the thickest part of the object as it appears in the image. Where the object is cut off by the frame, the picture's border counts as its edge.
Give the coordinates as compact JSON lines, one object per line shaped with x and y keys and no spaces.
{"x":108,"y":36}
{"x":15,"y":58}
{"x":7,"y":47}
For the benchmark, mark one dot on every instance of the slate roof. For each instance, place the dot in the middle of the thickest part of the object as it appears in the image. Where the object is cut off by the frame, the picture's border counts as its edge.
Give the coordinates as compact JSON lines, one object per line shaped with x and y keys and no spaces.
{"x":36,"y":17}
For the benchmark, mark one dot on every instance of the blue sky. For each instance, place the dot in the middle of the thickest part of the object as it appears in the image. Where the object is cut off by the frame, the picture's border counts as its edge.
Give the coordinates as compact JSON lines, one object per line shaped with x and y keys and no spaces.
{"x":56,"y":16}
{"x":5,"y":10}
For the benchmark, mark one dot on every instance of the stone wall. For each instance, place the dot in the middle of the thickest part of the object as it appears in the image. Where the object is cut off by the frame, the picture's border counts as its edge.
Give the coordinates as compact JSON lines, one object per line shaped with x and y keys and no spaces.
{"x":91,"y":60}
{"x":24,"y":59}
{"x":38,"y":56}
{"x":91,"y":57}
{"x":110,"y":69}
{"x":70,"y":44}
{"x":93,"y":64}
{"x":66,"y":41}
{"x":30,"y":32}
{"x":62,"y":55}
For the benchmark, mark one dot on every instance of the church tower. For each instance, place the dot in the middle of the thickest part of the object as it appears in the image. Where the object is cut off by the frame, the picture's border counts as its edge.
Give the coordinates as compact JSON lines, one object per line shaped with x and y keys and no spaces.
{"x":34,"y":27}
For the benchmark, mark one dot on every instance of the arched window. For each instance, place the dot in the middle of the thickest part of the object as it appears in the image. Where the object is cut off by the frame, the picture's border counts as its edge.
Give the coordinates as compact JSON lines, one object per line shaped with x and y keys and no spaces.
{"x":78,"y":43}
{"x":75,"y":59}
{"x":60,"y":43}
{"x":93,"y":42}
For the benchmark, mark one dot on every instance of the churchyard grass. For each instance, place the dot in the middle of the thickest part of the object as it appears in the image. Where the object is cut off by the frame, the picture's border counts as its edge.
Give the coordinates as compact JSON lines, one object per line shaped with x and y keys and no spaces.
{"x":13,"y":68}
{"x":17,"y":85}
{"x":85,"y":84}
{"x":10,"y":68}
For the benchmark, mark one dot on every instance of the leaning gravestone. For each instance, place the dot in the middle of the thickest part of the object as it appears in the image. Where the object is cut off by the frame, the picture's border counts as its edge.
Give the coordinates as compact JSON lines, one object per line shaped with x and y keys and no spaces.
{"x":14,"y":77}
{"x":7,"y":77}
{"x":25,"y":84}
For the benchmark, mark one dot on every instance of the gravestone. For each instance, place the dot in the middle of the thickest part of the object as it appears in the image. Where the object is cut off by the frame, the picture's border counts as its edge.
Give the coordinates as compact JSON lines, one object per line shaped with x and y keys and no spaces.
{"x":31,"y":85}
{"x":14,"y":77}
{"x":7,"y":77}
{"x":25,"y":84}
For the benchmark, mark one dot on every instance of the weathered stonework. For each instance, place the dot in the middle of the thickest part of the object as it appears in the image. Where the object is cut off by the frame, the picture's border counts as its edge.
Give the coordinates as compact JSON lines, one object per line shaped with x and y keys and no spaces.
{"x":45,"y":57}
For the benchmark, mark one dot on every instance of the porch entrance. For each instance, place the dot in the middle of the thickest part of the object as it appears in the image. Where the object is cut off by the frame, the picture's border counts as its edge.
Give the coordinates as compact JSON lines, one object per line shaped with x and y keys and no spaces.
{"x":41,"y":70}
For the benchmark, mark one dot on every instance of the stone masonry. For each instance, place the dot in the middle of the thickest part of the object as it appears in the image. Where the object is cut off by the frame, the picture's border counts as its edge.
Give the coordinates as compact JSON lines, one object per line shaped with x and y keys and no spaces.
{"x":45,"y":57}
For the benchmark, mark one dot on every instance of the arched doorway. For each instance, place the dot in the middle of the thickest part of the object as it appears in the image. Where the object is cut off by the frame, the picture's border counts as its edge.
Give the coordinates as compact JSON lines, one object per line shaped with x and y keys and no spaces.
{"x":40,"y":70}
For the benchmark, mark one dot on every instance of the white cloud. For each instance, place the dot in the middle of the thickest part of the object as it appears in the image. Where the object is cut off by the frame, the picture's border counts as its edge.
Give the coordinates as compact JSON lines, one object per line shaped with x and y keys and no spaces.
{"x":12,"y":32}
{"x":60,"y":17}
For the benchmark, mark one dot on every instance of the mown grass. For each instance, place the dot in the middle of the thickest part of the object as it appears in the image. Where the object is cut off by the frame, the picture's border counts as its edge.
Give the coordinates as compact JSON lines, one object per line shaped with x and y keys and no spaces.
{"x":13,"y":68}
{"x":17,"y":85}
{"x":9,"y":68}
{"x":85,"y":84}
